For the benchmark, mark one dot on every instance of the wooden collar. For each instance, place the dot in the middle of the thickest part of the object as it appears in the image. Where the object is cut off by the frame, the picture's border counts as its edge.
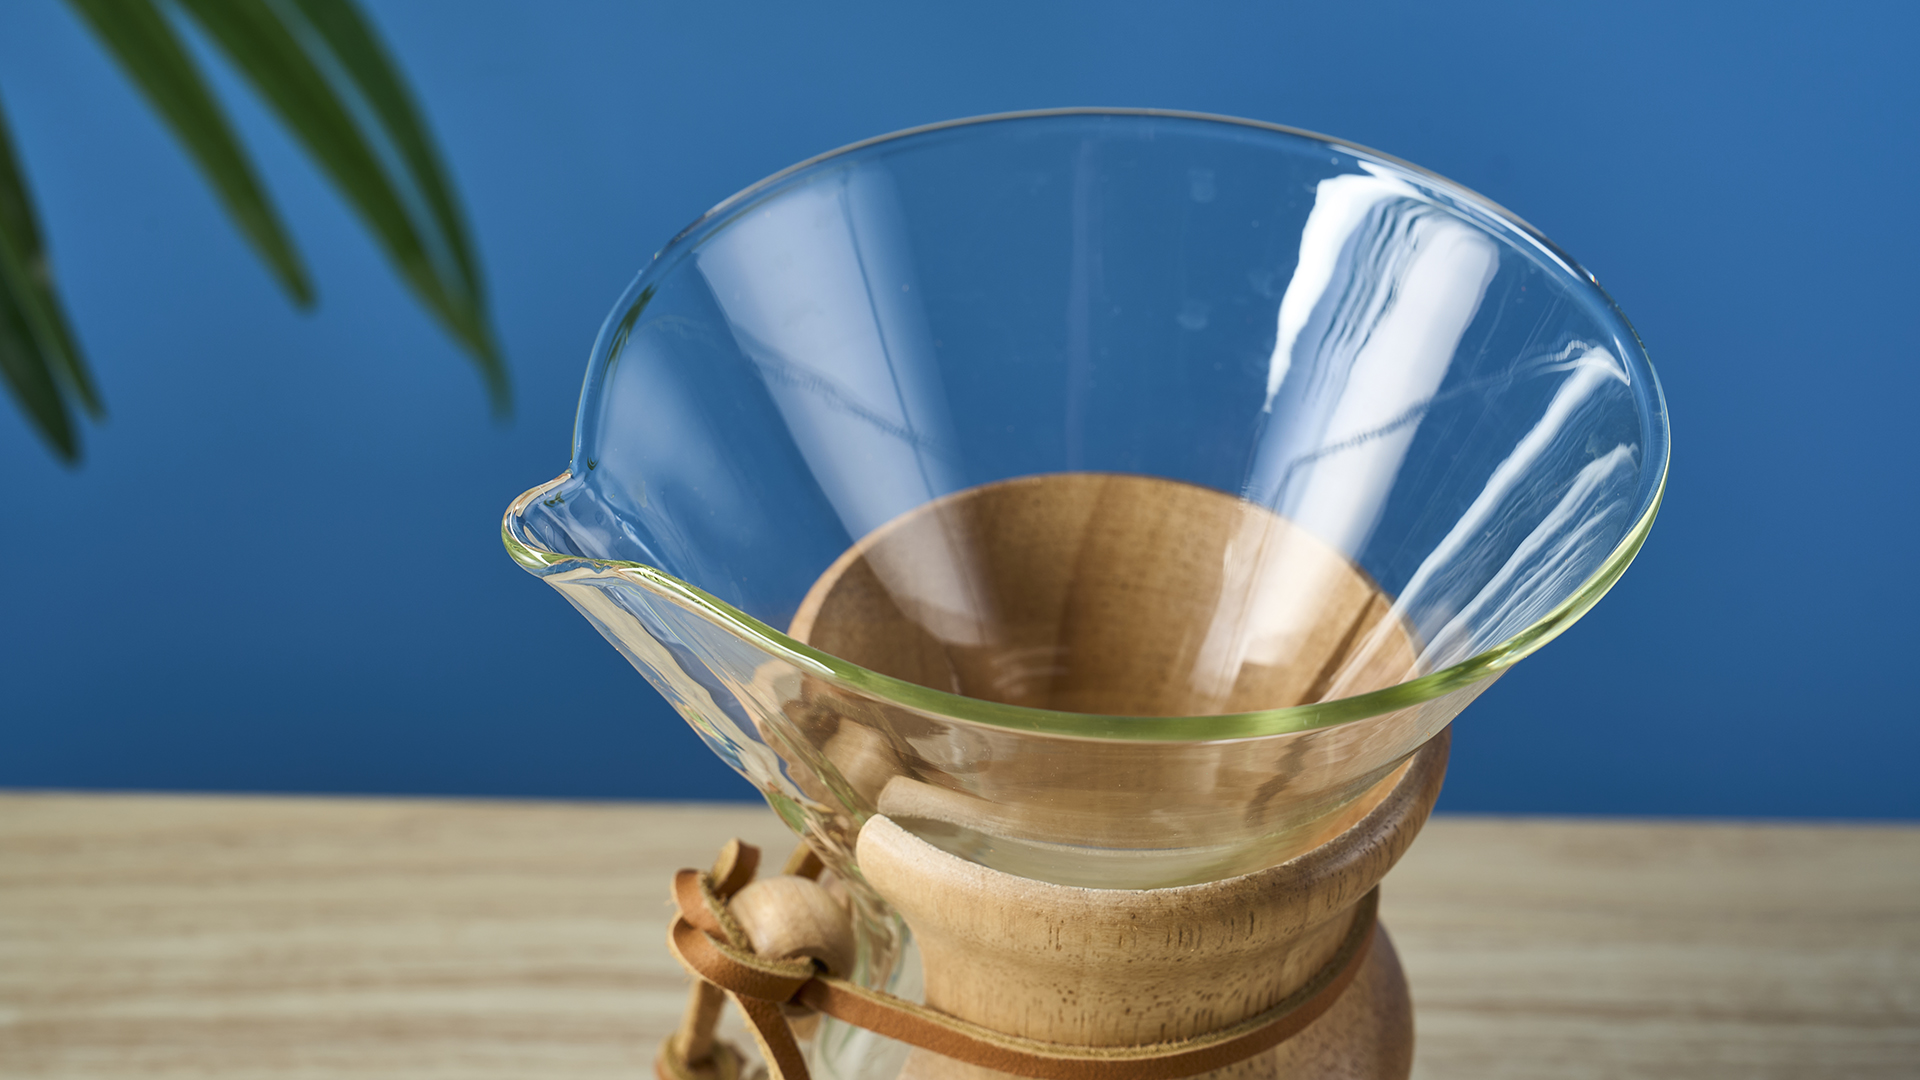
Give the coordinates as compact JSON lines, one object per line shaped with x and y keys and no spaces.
{"x":710,"y":944}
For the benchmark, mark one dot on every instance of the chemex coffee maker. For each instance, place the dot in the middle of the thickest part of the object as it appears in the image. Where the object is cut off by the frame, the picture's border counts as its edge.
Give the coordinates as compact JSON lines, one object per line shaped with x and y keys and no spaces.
{"x":1082,"y":527}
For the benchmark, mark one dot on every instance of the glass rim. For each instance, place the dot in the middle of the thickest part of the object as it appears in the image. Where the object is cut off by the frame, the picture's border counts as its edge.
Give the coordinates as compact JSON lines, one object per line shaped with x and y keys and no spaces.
{"x":1203,"y":728}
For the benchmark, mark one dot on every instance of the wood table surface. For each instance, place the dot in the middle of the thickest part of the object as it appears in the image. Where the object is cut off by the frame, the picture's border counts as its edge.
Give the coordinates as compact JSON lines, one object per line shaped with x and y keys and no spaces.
{"x":350,"y":938}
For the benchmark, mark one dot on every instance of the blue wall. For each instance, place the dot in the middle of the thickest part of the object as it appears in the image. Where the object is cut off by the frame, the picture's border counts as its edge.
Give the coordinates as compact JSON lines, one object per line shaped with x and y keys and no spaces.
{"x":279,"y":567}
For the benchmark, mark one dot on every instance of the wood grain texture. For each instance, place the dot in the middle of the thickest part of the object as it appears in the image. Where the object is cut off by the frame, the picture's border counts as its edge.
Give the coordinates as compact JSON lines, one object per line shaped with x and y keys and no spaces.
{"x":1651,"y":950}
{"x":1121,"y":967}
{"x":311,"y":938}
{"x":1108,"y":593}
{"x":1098,"y":593}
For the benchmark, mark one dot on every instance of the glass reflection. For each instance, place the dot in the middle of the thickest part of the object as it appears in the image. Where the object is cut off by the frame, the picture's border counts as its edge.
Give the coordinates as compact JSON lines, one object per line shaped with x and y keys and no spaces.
{"x":1115,"y":498}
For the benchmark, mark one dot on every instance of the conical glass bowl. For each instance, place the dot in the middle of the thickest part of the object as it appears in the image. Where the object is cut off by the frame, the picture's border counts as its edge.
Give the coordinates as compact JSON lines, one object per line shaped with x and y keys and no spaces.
{"x":1113,"y":498}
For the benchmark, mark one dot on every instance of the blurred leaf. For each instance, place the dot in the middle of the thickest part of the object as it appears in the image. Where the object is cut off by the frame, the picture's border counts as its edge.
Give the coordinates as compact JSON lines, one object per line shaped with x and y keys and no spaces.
{"x":372,"y":73}
{"x":320,"y":68}
{"x":31,"y":381}
{"x":138,"y":34}
{"x":38,"y":357}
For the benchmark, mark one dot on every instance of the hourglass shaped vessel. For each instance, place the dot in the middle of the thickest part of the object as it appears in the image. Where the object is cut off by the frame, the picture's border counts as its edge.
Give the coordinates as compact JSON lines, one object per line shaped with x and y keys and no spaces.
{"x":1054,"y":510}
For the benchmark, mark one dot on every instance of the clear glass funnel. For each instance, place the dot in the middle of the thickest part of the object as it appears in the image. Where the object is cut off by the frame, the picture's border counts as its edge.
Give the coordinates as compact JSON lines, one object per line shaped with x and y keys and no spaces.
{"x":1111,"y":498}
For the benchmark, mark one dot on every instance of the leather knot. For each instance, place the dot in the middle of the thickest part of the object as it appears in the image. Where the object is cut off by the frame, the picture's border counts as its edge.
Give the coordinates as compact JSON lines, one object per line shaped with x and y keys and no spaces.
{"x":707,"y":941}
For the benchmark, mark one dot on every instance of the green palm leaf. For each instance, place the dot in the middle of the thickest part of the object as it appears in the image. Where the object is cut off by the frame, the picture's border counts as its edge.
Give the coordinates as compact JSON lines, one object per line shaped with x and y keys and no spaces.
{"x":320,"y":68}
{"x":139,"y":36}
{"x":364,"y":62}
{"x":39,"y":361}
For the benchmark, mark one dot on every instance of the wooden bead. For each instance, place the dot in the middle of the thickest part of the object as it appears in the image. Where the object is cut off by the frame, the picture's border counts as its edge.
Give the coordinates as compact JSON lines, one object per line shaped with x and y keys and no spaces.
{"x":787,"y":917}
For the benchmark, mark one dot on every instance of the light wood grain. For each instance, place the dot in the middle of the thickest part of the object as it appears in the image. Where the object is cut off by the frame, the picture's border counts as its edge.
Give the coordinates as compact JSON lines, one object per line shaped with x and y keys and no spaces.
{"x":1126,"y":967}
{"x":282,"y":938}
{"x":1108,"y":593}
{"x":1096,"y":593}
{"x":1706,"y":951}
{"x":1119,"y":582}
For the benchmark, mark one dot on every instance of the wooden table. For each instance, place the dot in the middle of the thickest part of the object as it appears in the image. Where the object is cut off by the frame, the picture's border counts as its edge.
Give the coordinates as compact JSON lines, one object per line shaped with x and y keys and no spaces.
{"x":308,"y":938}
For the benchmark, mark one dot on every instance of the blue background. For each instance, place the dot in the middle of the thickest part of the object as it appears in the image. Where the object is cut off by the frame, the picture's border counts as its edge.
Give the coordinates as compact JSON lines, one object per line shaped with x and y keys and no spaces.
{"x":279,"y":568}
